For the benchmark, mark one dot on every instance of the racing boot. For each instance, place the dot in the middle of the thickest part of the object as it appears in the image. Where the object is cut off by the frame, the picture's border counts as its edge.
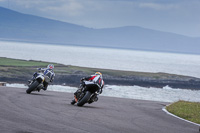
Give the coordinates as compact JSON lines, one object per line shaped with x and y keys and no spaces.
{"x":73,"y":102}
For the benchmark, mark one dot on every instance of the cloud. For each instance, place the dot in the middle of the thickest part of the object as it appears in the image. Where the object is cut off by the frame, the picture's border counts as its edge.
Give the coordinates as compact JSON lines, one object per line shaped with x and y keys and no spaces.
{"x":157,"y":6}
{"x":29,"y":3}
{"x":64,"y":7}
{"x":70,"y":7}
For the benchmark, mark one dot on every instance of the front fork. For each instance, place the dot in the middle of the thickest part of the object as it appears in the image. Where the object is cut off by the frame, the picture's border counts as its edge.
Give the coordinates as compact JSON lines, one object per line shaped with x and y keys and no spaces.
{"x":78,"y":95}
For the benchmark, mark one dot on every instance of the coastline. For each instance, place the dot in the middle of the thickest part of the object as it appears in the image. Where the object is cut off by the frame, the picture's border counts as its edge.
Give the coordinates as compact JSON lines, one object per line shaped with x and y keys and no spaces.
{"x":69,"y":75}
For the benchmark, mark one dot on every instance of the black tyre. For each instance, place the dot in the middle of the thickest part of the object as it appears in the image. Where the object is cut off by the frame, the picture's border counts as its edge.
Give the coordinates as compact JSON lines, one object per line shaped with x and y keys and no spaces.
{"x":32,"y":87}
{"x":84,"y":99}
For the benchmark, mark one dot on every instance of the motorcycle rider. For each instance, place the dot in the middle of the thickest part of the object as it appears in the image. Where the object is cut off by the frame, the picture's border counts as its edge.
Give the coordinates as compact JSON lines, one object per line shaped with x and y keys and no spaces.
{"x":97,"y":79}
{"x":46,"y":71}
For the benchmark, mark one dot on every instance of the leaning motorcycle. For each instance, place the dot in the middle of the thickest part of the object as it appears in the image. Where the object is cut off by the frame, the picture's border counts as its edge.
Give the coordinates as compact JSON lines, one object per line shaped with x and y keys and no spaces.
{"x":87,"y":93}
{"x":36,"y":84}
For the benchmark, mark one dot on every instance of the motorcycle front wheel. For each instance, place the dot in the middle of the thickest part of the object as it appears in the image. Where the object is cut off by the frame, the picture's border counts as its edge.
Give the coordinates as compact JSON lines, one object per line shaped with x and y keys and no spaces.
{"x":84,"y":99}
{"x":32,"y":87}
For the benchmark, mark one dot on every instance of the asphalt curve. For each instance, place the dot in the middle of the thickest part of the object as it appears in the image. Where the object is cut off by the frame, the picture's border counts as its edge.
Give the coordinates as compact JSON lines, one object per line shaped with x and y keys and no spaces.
{"x":51,"y":112}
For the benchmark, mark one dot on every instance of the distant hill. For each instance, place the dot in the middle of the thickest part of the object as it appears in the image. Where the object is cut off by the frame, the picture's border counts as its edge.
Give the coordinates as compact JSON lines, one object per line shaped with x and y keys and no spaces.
{"x":24,"y":27}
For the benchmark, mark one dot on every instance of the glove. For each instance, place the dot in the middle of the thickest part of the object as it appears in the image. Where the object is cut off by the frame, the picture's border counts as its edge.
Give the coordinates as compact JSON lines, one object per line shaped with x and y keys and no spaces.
{"x":83,"y":79}
{"x":35,"y":74}
{"x":39,"y":69}
{"x":100,"y":91}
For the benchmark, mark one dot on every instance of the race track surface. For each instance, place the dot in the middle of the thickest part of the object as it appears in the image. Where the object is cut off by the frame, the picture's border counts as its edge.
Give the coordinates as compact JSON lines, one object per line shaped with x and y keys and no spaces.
{"x":51,"y":112}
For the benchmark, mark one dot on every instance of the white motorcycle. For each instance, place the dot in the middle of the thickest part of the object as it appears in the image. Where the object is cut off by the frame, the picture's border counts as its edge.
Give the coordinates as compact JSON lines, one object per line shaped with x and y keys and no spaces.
{"x":37,"y":83}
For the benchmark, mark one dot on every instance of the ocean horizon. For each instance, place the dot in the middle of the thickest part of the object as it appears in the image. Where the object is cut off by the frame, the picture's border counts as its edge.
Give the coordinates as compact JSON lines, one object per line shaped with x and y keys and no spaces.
{"x":105,"y":58}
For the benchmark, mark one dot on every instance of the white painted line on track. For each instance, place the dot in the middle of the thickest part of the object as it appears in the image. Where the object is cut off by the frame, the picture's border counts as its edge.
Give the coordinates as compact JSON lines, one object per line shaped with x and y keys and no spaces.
{"x":164,"y":109}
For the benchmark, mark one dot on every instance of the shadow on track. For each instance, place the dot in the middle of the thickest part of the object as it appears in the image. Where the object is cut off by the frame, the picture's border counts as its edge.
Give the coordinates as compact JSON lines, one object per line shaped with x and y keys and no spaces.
{"x":37,"y":94}
{"x":85,"y":106}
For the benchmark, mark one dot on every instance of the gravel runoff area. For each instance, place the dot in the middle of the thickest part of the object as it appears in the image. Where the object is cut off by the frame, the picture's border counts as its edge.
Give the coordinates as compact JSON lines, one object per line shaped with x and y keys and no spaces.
{"x":49,"y":111}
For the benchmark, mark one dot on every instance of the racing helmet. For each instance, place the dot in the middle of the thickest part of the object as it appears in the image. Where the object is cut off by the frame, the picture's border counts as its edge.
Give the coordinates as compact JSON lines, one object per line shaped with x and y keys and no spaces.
{"x":98,"y":73}
{"x":50,"y":66}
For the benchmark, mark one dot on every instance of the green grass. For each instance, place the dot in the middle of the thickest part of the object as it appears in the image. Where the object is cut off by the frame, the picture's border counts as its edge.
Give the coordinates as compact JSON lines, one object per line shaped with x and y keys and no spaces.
{"x":15,"y":67}
{"x":14,"y":62}
{"x":186,"y":110}
{"x":125,"y":73}
{"x":11,"y":67}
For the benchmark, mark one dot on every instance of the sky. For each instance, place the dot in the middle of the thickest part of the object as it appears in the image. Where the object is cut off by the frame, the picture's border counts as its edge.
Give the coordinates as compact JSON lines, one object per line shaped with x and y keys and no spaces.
{"x":176,"y":16}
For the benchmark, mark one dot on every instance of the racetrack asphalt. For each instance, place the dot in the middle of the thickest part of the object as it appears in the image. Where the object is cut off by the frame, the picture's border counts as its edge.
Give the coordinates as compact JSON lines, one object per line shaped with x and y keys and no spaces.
{"x":51,"y":112}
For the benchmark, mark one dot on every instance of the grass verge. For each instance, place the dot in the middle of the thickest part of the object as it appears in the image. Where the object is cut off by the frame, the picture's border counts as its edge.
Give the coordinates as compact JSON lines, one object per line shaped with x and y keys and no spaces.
{"x":186,"y":110}
{"x":15,"y":70}
{"x":9,"y":65}
{"x":16,"y":62}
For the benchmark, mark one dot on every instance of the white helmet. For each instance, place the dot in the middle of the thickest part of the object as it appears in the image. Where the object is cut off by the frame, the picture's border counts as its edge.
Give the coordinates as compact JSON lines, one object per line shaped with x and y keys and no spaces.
{"x":50,"y":66}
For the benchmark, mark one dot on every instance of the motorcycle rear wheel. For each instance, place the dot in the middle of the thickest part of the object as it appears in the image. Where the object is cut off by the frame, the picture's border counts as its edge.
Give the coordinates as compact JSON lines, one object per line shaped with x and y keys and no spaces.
{"x":32,"y":87}
{"x":84,"y":99}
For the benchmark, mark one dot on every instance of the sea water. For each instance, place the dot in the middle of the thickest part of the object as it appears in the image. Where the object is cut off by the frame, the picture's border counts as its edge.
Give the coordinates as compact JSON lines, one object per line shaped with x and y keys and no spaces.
{"x":165,"y":94}
{"x":131,"y":60}
{"x":128,"y":60}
